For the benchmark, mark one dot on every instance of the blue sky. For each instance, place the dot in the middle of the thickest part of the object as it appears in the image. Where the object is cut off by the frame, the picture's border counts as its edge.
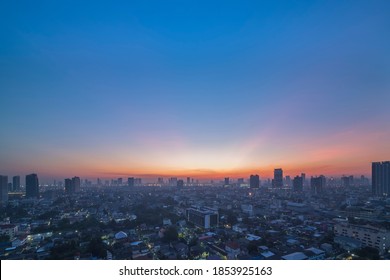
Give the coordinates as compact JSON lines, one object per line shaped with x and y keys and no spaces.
{"x":174,"y":87}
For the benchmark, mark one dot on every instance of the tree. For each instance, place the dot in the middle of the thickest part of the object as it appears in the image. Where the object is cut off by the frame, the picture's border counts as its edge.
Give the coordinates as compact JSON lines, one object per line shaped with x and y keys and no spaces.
{"x":170,"y":234}
{"x":97,"y":248}
{"x":368,"y":253}
{"x":4,"y":238}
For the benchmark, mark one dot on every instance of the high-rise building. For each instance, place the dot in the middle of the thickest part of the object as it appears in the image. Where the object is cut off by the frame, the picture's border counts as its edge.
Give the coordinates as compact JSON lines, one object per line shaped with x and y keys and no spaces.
{"x":3,"y":189}
{"x":120,"y":181}
{"x":69,"y":186}
{"x":303,"y":175}
{"x":138,"y":182}
{"x":298,"y":183}
{"x":381,"y":178}
{"x":160,"y":180}
{"x":180,"y":183}
{"x":227,"y":181}
{"x":130,"y":182}
{"x":32,"y":186}
{"x":317,"y":184}
{"x":288,"y":181}
{"x":254,"y":181}
{"x":173,"y":181}
{"x":76,"y":184}
{"x":16,"y":183}
{"x":188,"y":180}
{"x":278,"y":178}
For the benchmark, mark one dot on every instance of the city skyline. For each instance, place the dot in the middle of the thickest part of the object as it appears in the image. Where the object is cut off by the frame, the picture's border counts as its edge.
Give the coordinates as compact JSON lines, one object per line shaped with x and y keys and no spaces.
{"x":166,"y":178}
{"x":205,"y":90}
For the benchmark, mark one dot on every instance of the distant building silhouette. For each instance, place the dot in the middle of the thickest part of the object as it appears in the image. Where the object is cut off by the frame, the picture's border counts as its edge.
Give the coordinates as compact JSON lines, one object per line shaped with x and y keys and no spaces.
{"x":32,"y":186}
{"x":227,"y":181}
{"x":347,"y":181}
{"x":3,"y":189}
{"x":303,"y":175}
{"x":254,"y":181}
{"x":180,"y":183}
{"x":138,"y":182}
{"x":69,"y":186}
{"x":288,"y":181}
{"x":130,"y":182}
{"x":381,"y":178}
{"x":278,"y":178}
{"x":16,"y":183}
{"x":76,"y":184}
{"x":173,"y":181}
{"x":317,"y":184}
{"x":298,"y":183}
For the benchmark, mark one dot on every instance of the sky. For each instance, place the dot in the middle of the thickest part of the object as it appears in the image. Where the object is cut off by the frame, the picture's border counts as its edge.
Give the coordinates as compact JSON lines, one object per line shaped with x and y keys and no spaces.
{"x":205,"y":89}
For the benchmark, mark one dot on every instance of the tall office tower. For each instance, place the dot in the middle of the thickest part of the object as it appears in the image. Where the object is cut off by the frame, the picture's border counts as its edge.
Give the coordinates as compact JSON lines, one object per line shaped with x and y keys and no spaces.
{"x":3,"y":190}
{"x":120,"y":181}
{"x":351,"y":180}
{"x":303,"y":175}
{"x":130,"y":182}
{"x":188,"y":180}
{"x":346,"y":181}
{"x":278,"y":178}
{"x":180,"y":183}
{"x":160,"y":180}
{"x":69,"y":186}
{"x":138,"y":182}
{"x":240,"y":181}
{"x":32,"y":186}
{"x":298,"y":183}
{"x":381,"y":178}
{"x":288,"y":181}
{"x":76,"y":184}
{"x":173,"y":181}
{"x":99,"y":182}
{"x":317,"y":184}
{"x":254,"y":181}
{"x":16,"y":183}
{"x":227,"y":181}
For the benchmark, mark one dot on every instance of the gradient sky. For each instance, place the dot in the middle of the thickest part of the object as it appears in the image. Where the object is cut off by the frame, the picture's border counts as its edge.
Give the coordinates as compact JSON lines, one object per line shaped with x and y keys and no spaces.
{"x":193,"y":88}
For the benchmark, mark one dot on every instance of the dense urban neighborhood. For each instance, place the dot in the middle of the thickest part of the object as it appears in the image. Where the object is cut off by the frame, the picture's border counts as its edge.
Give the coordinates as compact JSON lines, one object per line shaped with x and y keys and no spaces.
{"x":231,"y":219}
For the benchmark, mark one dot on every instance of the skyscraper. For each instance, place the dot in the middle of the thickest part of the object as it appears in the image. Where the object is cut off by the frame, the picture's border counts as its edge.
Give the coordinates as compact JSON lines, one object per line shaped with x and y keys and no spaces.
{"x":69,"y":186}
{"x":381,"y":178}
{"x":32,"y":186}
{"x":298,"y":183}
{"x":180,"y":183}
{"x":227,"y":181}
{"x":130,"y":182}
{"x":3,"y":189}
{"x":254,"y":181}
{"x":278,"y":178}
{"x":76,"y":184}
{"x":173,"y":181}
{"x":303,"y":175}
{"x":288,"y":181}
{"x":317,"y":184}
